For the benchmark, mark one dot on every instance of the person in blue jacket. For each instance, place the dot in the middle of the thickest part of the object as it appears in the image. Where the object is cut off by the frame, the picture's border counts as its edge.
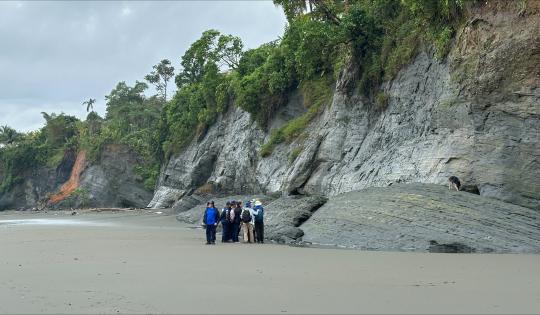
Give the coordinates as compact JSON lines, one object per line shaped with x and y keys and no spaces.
{"x":210,"y":221}
{"x":258,"y":217}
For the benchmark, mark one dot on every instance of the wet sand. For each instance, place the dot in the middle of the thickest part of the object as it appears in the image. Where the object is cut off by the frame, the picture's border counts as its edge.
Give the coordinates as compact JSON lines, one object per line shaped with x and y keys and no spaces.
{"x":142,"y":262}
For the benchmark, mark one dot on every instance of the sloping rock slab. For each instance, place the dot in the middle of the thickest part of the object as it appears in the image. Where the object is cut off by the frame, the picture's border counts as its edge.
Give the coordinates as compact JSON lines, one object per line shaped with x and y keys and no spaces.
{"x":164,"y":197}
{"x":284,"y":216}
{"x":423,"y":217}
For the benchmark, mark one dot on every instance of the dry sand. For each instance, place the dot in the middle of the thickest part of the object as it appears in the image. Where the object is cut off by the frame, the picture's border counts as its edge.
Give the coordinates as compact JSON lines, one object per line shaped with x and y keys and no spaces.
{"x":149,"y":263}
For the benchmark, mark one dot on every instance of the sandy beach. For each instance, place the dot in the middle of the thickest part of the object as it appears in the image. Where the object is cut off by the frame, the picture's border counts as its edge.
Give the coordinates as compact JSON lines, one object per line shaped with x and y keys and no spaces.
{"x":143,"y":262}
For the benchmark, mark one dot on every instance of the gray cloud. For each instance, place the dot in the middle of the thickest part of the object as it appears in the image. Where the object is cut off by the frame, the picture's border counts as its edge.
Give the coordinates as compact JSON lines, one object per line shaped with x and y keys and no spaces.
{"x":55,"y":55}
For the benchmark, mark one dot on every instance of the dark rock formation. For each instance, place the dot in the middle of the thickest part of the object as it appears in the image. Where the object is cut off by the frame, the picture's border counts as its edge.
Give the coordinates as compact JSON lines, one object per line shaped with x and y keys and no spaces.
{"x":423,"y":217}
{"x":37,"y":184}
{"x":284,"y":216}
{"x":31,"y":191}
{"x":112,"y":182}
{"x":108,"y":182}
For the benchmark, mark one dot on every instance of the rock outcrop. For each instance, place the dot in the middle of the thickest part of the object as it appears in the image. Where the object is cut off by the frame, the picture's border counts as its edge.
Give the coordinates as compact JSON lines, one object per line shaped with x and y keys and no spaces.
{"x":37,"y":184}
{"x":284,"y":216}
{"x":423,"y":217}
{"x":475,"y":115}
{"x":75,"y":182}
{"x":402,"y":217}
{"x":113,"y":182}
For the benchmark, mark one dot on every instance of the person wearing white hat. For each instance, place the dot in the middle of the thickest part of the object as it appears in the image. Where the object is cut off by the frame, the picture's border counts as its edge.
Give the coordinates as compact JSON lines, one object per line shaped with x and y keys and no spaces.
{"x":258,"y":216}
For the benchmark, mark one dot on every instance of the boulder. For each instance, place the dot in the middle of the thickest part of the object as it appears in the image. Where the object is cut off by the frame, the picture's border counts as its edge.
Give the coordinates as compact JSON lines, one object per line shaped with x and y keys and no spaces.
{"x":284,"y":216}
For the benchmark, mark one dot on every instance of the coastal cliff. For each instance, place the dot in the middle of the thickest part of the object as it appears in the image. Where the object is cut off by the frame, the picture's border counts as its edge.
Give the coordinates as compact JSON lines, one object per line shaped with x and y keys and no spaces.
{"x":325,"y":155}
{"x":474,"y":114}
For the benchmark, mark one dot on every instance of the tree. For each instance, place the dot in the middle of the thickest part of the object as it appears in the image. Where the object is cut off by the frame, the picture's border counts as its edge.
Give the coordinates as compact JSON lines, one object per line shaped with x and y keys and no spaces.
{"x":89,"y":104}
{"x":328,"y":10}
{"x":211,"y":48}
{"x":123,"y":99}
{"x":94,"y":122}
{"x":229,"y":51}
{"x":128,"y":110}
{"x":9,"y":135}
{"x":160,"y":77}
{"x":59,"y":129}
{"x":293,"y":8}
{"x":196,"y":57}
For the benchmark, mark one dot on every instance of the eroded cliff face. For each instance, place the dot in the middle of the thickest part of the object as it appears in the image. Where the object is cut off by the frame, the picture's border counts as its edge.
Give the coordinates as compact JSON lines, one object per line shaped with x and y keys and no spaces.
{"x":75,"y":182}
{"x":475,"y":115}
{"x":113,"y":182}
{"x":37,"y":184}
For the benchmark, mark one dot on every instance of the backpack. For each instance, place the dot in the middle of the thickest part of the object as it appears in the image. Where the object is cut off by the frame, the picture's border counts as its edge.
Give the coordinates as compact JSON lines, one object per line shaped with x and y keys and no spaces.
{"x":224,"y":217}
{"x":246,"y":216}
{"x":259,"y":217}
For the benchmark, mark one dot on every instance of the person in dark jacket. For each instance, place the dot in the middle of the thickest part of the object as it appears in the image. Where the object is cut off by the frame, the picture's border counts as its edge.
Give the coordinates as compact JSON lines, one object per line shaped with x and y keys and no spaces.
{"x":236,"y":218}
{"x":226,"y":224}
{"x":258,"y":215}
{"x":210,"y":221}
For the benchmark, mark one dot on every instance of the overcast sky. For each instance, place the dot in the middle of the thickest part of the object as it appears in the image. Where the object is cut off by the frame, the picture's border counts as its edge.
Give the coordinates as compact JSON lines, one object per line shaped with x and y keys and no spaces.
{"x":55,"y":55}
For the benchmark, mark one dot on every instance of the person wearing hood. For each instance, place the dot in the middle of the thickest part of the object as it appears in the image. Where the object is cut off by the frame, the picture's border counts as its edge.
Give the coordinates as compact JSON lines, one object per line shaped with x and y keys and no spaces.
{"x":258,"y":218}
{"x":210,"y":221}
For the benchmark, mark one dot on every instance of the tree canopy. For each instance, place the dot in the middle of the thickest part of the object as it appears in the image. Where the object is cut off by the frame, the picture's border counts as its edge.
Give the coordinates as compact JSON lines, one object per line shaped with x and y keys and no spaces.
{"x":160,"y":77}
{"x":213,"y":48}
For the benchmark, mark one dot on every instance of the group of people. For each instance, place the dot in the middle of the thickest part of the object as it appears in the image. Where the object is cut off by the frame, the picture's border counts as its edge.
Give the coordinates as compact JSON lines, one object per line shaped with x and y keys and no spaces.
{"x":235,"y":218}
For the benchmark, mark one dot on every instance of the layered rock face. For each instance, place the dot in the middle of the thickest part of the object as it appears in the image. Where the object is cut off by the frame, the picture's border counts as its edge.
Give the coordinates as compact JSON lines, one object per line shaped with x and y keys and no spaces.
{"x":402,"y":217}
{"x":475,"y":115}
{"x":423,"y":217}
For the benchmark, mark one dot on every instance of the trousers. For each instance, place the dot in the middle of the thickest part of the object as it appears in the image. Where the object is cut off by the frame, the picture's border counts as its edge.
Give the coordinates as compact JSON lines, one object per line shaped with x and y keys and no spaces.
{"x":210,"y":233}
{"x":259,"y":232}
{"x":248,"y":232}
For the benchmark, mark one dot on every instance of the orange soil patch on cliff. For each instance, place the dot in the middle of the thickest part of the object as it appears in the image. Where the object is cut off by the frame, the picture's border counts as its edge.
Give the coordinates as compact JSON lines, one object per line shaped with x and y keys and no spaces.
{"x":74,"y":180}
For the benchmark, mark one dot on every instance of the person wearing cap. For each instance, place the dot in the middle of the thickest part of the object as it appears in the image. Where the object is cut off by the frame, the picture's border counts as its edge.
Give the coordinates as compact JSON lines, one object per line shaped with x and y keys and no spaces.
{"x":210,"y":221}
{"x":226,"y":223}
{"x":258,"y":218}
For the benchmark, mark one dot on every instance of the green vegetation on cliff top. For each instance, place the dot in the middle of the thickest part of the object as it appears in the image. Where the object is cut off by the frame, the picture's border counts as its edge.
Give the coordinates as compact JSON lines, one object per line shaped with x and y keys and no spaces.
{"x":322,"y":36}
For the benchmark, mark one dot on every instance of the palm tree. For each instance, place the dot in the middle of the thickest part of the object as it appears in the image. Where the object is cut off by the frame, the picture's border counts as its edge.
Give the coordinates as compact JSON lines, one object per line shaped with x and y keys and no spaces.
{"x":8,"y":135}
{"x":89,"y":104}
